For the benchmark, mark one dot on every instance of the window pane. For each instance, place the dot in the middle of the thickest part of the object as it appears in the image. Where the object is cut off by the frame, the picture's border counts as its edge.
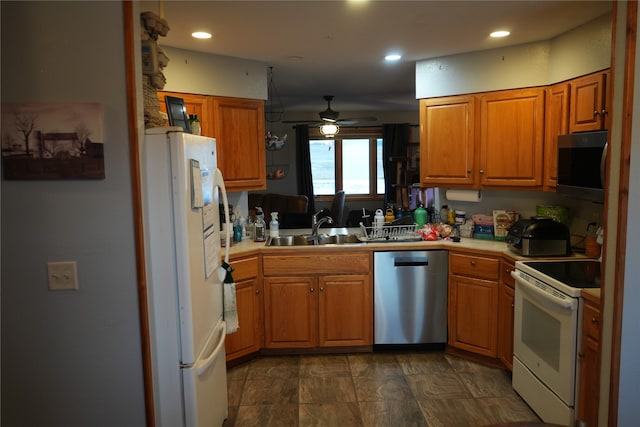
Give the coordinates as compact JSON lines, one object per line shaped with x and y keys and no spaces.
{"x":323,"y":166}
{"x":379,"y":168}
{"x":355,"y":166}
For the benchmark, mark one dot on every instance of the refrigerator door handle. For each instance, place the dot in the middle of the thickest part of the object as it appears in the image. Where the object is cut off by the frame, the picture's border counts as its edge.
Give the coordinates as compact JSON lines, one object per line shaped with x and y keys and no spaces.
{"x":218,"y":181}
{"x":204,"y":364}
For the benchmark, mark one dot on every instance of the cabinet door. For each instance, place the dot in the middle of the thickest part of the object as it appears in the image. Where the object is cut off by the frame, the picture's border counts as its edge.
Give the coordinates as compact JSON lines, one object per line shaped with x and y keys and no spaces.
{"x":505,"y":325}
{"x":447,"y":141}
{"x":589,"y":387}
{"x":246,"y":339}
{"x":505,"y":314}
{"x":473,"y":315}
{"x":345,"y":306}
{"x":239,"y":131}
{"x":194,"y":104}
{"x":556,"y":123}
{"x":290,"y":313}
{"x":587,"y":103}
{"x":511,"y":138}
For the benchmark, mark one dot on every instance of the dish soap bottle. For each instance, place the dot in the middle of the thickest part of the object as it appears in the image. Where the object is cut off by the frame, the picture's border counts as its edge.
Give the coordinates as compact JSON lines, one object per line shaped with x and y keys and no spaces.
{"x":260,"y":226}
{"x":420,"y":216}
{"x":274,"y":228}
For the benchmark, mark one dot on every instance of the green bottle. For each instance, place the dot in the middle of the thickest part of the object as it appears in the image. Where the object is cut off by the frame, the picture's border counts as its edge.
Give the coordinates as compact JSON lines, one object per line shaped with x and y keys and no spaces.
{"x":420,"y":216}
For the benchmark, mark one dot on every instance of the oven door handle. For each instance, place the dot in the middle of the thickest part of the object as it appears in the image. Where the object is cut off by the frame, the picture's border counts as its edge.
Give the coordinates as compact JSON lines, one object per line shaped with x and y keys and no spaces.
{"x":542,"y":296}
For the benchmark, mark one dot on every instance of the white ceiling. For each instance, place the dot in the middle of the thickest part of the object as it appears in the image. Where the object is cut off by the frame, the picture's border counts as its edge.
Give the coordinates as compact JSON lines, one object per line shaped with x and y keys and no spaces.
{"x":331,"y":47}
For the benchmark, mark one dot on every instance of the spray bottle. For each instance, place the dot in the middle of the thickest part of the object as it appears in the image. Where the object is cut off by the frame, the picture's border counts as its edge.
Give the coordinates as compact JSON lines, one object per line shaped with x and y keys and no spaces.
{"x":274,"y":228}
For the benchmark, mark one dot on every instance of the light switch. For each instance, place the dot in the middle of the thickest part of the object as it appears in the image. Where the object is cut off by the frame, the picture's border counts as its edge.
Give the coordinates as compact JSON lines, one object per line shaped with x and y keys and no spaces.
{"x":62,"y":276}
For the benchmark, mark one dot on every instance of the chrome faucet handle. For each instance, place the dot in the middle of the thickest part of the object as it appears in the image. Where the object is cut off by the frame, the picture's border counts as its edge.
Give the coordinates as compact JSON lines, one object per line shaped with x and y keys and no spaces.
{"x":314,"y":217}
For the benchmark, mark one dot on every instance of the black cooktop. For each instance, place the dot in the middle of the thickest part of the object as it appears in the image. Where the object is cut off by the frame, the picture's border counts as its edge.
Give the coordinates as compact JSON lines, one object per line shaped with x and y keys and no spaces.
{"x":577,"y":274}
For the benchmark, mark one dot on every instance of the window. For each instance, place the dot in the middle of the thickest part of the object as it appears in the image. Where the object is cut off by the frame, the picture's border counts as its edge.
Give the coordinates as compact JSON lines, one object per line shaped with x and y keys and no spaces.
{"x":352,"y":162}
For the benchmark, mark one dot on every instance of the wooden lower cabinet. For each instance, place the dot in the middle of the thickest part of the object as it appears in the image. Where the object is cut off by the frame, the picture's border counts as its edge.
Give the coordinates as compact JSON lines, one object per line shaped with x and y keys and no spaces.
{"x":290,"y":312}
{"x":505,"y":314}
{"x":319,"y":308}
{"x":248,"y":338}
{"x":589,"y":368}
{"x":473,"y":302}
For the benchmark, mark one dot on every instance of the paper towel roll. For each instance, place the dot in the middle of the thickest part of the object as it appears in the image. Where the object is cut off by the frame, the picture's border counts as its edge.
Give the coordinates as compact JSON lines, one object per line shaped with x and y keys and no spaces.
{"x":464,"y":195}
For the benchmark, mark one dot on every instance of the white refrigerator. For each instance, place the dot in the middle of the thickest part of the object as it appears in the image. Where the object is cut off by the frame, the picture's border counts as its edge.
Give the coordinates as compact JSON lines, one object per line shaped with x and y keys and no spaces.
{"x":181,"y":188}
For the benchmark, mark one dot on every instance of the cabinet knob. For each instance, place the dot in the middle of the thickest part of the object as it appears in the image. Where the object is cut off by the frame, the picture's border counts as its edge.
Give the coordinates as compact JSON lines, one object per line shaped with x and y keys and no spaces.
{"x":481,"y":171}
{"x":581,"y":355}
{"x":594,"y":320}
{"x":604,"y":112}
{"x":507,"y":270}
{"x":321,"y":289}
{"x":311,"y":289}
{"x":596,"y":113}
{"x":473,"y":262}
{"x":468,"y":170}
{"x":257,"y":291}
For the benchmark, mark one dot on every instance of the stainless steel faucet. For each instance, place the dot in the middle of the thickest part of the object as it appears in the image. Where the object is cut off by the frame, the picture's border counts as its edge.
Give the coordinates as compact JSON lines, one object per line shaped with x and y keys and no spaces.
{"x":316,"y":223}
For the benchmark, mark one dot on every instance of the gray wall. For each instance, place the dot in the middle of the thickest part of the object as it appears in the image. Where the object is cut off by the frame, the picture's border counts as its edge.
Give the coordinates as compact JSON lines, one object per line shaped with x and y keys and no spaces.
{"x":580,"y":51}
{"x":70,"y":358}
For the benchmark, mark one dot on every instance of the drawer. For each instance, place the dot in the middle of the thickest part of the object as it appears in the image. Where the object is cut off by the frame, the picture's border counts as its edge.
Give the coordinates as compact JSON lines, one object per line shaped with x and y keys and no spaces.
{"x":339,"y":263}
{"x":475,"y":266}
{"x":591,"y":321}
{"x":244,"y":268}
{"x":505,"y":274}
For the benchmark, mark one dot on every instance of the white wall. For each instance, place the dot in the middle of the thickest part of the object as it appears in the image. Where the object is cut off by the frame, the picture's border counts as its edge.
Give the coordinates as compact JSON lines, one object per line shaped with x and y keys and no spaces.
{"x":581,"y":51}
{"x":70,"y":358}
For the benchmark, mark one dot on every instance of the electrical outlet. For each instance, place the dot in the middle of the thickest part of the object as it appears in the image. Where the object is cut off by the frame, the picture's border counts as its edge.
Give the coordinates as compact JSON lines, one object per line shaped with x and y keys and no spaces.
{"x":62,"y":276}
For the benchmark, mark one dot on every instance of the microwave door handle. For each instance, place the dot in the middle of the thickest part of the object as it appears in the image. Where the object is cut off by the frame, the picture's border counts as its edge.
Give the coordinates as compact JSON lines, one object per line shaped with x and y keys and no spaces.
{"x":603,"y":163}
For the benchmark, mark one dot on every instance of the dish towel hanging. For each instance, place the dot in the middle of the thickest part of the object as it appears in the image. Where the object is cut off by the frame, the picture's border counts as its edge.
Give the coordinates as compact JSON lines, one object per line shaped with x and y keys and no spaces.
{"x":229,"y":292}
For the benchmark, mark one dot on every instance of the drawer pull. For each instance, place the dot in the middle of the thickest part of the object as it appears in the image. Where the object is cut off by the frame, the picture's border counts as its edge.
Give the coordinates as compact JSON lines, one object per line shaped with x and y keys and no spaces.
{"x":473,"y":262}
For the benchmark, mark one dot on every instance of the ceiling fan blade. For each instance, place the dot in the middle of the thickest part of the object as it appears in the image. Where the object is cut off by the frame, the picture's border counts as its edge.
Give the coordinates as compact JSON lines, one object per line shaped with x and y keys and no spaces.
{"x":303,"y":122}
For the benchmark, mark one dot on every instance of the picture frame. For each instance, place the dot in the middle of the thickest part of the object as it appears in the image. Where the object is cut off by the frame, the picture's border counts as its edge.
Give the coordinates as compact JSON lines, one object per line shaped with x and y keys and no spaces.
{"x":177,"y":113}
{"x":52,"y":141}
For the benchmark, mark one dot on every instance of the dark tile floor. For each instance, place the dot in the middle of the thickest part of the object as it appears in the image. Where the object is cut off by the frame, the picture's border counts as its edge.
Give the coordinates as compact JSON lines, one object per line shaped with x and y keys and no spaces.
{"x":371,"y":390}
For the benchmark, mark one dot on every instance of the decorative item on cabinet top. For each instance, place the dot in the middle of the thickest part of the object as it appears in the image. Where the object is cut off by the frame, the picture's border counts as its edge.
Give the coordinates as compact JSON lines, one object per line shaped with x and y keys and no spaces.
{"x":277,"y":171}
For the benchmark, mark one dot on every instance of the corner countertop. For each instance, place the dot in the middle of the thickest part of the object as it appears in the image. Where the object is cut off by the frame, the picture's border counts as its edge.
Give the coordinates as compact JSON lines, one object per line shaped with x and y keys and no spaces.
{"x":487,"y":247}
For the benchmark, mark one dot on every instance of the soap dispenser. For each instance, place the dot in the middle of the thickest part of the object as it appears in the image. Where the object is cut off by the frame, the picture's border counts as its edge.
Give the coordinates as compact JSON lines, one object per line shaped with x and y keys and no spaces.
{"x":260,"y":226}
{"x":274,"y":228}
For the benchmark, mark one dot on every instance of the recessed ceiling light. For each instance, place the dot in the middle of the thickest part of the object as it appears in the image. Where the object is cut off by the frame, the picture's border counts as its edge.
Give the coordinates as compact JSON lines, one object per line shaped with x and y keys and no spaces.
{"x":393,"y":57}
{"x":501,"y":33}
{"x":201,"y":35}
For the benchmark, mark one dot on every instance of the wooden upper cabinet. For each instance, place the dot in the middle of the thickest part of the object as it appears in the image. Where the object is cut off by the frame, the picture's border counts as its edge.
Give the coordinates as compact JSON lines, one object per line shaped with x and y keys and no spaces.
{"x":194,"y":104}
{"x":589,"y":103}
{"x":447,"y":141}
{"x":238,"y":126}
{"x":239,"y":131}
{"x":556,"y":123}
{"x":511,"y":138}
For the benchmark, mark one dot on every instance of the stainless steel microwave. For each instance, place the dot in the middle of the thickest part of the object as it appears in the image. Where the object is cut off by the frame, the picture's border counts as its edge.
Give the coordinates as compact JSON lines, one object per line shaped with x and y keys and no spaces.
{"x":581,"y":165}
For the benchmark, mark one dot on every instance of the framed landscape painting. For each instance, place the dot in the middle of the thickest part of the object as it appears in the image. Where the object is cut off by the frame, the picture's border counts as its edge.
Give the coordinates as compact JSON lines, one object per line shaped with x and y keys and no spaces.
{"x":52,"y":141}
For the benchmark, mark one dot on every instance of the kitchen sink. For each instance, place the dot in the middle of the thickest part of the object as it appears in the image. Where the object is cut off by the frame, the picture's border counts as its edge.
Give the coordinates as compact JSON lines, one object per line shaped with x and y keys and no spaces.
{"x":308,"y":239}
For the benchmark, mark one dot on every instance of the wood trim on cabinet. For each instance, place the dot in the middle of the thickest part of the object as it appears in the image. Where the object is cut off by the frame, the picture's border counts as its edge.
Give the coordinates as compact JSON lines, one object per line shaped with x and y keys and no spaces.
{"x":136,"y":190}
{"x":629,"y":75}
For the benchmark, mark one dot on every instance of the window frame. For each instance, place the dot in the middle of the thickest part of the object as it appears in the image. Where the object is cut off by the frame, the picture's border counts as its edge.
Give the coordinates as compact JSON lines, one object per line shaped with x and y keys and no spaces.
{"x":373,"y":133}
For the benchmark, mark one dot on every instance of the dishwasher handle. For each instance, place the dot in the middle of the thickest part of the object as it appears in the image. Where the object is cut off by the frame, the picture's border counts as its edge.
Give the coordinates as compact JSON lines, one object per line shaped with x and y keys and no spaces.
{"x":410,"y":261}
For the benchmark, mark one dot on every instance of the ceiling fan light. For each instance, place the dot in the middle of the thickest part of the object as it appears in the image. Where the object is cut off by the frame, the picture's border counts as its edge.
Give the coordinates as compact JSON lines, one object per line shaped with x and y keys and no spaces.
{"x":329,"y":130}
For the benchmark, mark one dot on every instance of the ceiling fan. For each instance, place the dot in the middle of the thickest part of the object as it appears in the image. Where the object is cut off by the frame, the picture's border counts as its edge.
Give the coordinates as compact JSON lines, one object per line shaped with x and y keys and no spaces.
{"x":329,"y":116}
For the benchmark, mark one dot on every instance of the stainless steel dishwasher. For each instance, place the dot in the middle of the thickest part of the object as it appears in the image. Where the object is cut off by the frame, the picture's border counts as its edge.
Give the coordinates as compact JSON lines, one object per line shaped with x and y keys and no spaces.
{"x":410,"y":297}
